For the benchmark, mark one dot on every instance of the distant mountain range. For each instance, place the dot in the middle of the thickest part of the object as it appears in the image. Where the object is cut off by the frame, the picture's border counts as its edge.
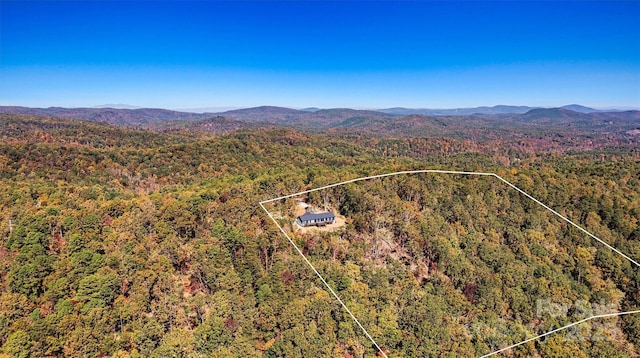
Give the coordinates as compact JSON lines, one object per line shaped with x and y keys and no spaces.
{"x":131,"y":115}
{"x":551,"y":128}
{"x":460,"y":123}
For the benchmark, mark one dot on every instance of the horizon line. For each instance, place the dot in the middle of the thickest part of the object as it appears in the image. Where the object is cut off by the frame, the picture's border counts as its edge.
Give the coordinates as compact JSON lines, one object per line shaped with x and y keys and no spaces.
{"x":222,"y":108}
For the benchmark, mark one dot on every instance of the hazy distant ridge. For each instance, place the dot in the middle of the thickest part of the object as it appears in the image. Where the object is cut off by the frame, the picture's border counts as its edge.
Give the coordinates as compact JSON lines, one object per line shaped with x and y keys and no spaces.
{"x":499,"y":109}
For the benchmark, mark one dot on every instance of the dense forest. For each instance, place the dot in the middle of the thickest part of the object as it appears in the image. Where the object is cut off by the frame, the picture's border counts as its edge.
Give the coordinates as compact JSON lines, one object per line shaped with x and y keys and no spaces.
{"x":121,"y":242}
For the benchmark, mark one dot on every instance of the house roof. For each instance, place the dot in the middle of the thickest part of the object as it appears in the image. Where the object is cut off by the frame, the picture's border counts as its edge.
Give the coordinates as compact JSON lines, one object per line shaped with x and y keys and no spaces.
{"x":316,"y":216}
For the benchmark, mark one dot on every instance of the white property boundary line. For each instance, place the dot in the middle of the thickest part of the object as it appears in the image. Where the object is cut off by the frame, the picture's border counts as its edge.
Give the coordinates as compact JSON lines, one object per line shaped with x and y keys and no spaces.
{"x":441,"y":172}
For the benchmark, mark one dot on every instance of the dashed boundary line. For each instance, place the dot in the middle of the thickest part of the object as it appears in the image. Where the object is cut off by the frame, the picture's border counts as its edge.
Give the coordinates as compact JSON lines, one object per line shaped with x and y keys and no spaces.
{"x":437,"y":171}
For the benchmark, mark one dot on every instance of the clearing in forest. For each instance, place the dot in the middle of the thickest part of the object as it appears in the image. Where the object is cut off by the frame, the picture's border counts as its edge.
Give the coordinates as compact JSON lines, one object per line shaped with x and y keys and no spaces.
{"x":464,"y":264}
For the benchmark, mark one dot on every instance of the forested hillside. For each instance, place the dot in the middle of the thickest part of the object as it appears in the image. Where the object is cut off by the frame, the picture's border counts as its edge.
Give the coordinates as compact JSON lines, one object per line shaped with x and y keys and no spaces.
{"x":133,"y":243}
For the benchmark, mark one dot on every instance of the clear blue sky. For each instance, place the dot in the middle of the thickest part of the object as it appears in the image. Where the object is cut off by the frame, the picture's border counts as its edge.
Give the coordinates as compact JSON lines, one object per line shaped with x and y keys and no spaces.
{"x":317,"y":53}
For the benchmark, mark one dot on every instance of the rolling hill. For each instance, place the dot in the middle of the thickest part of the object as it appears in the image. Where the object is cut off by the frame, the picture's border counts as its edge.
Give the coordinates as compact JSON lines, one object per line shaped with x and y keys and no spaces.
{"x":118,"y":116}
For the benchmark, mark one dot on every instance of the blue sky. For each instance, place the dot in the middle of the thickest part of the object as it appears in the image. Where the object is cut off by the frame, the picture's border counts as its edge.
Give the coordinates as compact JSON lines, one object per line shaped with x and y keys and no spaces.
{"x":317,"y":53}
